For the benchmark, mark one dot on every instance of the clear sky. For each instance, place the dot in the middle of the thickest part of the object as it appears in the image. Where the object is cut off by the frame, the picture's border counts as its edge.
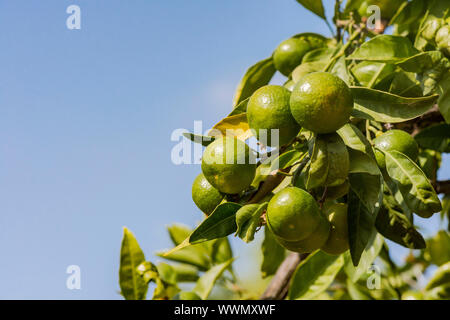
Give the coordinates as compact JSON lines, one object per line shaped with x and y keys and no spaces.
{"x":85,"y":123}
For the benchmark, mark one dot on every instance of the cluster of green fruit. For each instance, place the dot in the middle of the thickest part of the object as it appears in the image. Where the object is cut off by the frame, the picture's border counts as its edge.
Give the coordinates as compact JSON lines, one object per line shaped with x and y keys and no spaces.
{"x":437,"y":33}
{"x":319,"y":103}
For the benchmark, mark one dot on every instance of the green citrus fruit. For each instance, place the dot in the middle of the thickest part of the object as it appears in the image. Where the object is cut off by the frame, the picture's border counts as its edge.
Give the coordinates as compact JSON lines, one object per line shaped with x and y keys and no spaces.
{"x":388,"y":8}
{"x":313,"y":242}
{"x":397,"y":140}
{"x":293,"y":214}
{"x":289,"y":54}
{"x":335,"y":192}
{"x":321,"y":102}
{"x":205,"y":196}
{"x":229,"y":165}
{"x":186,"y":295}
{"x":443,"y":39}
{"x":431,"y":28}
{"x":267,"y":109}
{"x":337,"y":242}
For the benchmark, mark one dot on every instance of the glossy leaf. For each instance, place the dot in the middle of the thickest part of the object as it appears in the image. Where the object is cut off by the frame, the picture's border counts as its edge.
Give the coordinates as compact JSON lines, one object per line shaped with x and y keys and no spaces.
{"x":340,"y":69}
{"x":382,"y":106}
{"x":355,"y":139}
{"x":325,"y":170}
{"x":314,"y":6}
{"x":385,"y":48}
{"x":319,"y":54}
{"x":272,"y":254}
{"x":132,"y":286}
{"x":206,"y":282}
{"x":395,"y":226}
{"x":369,"y":74}
{"x":248,"y":219}
{"x":416,"y":189}
{"x":256,"y":76}
{"x":360,"y":226}
{"x":314,"y":275}
{"x":436,"y":137}
{"x":220,"y":223}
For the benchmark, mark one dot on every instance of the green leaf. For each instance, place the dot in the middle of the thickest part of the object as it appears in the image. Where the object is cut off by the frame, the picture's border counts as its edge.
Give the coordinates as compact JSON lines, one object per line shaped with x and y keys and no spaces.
{"x":319,"y":54}
{"x":368,"y":188}
{"x":203,"y":140}
{"x":206,"y":282}
{"x":314,"y":6}
{"x":286,"y":160}
{"x":440,"y":277}
{"x":256,"y":76}
{"x":382,"y":106}
{"x":385,"y":48}
{"x":415,"y":187}
{"x":307,"y":68}
{"x":395,"y":226}
{"x":340,"y":69}
{"x":240,"y":108}
{"x":272,"y":254}
{"x":221,"y":250}
{"x":358,"y":292}
{"x":248,"y":219}
{"x":195,"y":255}
{"x":443,"y":89}
{"x":438,"y":248}
{"x":435,"y":137}
{"x":368,"y":256}
{"x":185,"y":272}
{"x":355,"y":139}
{"x":362,"y":163}
{"x":369,"y":74}
{"x":329,"y":162}
{"x":421,"y":62}
{"x":178,"y":233}
{"x":132,"y":285}
{"x":314,"y":275}
{"x":405,"y":84}
{"x":220,"y":223}
{"x":360,"y":226}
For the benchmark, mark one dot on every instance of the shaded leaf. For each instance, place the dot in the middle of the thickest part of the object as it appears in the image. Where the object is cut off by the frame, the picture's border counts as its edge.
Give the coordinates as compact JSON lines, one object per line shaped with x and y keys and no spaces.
{"x":272,"y":253}
{"x":369,"y":74}
{"x":368,"y":188}
{"x":421,"y":62}
{"x":435,"y":137}
{"x":314,"y":275}
{"x":395,"y":226}
{"x":361,"y":227}
{"x":362,"y":163}
{"x":355,"y":139}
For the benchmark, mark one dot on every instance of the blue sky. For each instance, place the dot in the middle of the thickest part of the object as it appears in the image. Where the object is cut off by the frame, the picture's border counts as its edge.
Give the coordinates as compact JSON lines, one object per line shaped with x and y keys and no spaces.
{"x":85,"y":123}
